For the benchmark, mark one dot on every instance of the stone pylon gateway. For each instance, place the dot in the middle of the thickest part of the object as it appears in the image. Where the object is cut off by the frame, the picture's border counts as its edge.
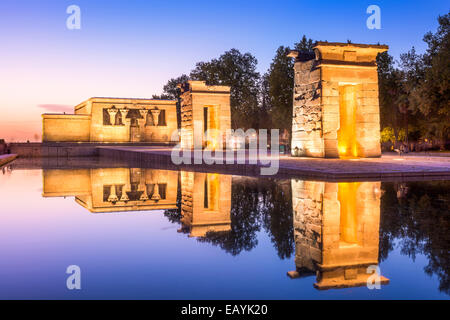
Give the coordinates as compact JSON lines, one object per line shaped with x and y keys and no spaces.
{"x":336,"y":110}
{"x":205,"y":115}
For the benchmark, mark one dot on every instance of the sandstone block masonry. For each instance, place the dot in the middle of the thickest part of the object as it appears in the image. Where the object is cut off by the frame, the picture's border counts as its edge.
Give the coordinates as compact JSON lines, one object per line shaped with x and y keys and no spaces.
{"x":336,"y":231}
{"x":205,"y":115}
{"x":113,"y":120}
{"x":336,"y":109}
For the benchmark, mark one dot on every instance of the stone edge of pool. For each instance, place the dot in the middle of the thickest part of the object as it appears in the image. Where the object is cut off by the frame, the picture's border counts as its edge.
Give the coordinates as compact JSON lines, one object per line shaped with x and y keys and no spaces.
{"x":288,"y":166}
{"x":6,"y":158}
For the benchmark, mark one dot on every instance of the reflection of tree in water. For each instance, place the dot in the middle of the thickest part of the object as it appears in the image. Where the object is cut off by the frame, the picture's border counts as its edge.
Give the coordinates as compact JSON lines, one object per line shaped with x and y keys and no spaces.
{"x":276,"y":207}
{"x":416,"y":216}
{"x":245,"y":221}
{"x":255,"y":203}
{"x":174,"y":215}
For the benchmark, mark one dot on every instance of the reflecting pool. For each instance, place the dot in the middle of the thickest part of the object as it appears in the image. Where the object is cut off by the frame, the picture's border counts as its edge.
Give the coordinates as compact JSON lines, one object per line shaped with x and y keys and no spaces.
{"x":139,"y":233}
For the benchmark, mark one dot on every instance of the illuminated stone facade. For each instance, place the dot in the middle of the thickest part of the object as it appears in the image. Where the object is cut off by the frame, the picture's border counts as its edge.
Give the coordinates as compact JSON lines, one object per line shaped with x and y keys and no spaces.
{"x":336,"y":230}
{"x":336,"y":108}
{"x":204,"y":109}
{"x":113,"y":120}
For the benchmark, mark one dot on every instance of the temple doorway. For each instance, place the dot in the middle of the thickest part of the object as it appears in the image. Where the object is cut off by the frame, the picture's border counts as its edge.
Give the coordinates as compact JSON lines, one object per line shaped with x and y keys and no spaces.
{"x":210,"y":127}
{"x":135,"y":135}
{"x":347,"y":145}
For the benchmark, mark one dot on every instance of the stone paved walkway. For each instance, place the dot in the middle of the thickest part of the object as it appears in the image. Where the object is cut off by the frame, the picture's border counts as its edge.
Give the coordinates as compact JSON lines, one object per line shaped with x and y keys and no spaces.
{"x":388,"y":166}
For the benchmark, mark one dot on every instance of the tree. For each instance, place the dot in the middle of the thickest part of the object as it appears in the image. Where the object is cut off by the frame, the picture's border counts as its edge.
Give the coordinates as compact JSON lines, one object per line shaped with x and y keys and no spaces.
{"x":433,"y":95}
{"x":172,"y":92}
{"x":171,"y":89}
{"x":265,"y":105}
{"x":305,"y":45}
{"x":238,"y":71}
{"x":390,"y":86}
{"x":280,"y":84}
{"x":280,"y":81}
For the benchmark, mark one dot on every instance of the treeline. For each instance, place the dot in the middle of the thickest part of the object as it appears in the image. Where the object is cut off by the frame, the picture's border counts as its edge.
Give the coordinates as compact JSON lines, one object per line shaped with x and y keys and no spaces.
{"x":414,"y":92}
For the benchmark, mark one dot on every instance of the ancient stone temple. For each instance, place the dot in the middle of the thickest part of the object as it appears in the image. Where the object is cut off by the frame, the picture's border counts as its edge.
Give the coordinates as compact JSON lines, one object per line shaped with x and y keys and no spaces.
{"x":113,"y":120}
{"x":336,"y":231}
{"x":205,"y":115}
{"x":336,"y":108}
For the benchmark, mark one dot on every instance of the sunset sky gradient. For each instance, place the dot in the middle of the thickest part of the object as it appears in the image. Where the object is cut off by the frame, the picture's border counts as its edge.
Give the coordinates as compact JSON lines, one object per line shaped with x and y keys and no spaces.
{"x":131,"y":48}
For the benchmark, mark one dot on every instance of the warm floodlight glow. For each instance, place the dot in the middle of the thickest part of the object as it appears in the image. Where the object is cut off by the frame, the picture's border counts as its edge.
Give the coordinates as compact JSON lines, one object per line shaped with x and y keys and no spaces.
{"x":347,"y":115}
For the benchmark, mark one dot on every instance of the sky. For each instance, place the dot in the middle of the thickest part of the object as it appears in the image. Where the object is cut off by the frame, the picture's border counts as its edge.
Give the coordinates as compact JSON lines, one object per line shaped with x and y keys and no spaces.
{"x":131,"y":48}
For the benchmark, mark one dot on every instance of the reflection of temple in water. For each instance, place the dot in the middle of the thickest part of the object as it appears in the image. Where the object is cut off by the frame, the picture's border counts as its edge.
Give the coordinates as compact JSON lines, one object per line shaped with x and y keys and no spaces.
{"x":205,"y":202}
{"x":336,"y":229}
{"x":115,"y":189}
{"x":206,"y":197}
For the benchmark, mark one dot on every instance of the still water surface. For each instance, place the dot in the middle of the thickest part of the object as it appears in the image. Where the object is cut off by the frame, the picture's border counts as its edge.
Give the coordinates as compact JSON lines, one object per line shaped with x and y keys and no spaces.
{"x":157,"y":234}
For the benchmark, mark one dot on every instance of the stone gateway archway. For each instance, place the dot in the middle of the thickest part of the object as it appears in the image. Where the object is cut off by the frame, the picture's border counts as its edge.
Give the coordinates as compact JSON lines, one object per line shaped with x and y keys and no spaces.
{"x":205,"y":115}
{"x":336,"y":110}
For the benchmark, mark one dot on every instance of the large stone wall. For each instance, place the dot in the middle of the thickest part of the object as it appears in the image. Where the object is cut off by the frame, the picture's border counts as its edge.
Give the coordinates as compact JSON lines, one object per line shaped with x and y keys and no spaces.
{"x":307,"y":207}
{"x":307,"y":114}
{"x":65,"y":128}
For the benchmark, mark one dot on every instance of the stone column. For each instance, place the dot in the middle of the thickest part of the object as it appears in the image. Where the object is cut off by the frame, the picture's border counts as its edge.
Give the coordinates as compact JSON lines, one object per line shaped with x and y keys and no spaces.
{"x":144,"y":196}
{"x":112,"y":195}
{"x":124,"y":196}
{"x":155,"y":116}
{"x":142,"y":123}
{"x":156,"y":196}
{"x":112,"y":115}
{"x":124,"y":113}
{"x":126,"y":121}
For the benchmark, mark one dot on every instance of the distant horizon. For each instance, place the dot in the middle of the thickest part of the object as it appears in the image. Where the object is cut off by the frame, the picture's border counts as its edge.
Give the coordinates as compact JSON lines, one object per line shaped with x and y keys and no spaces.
{"x":125,"y":50}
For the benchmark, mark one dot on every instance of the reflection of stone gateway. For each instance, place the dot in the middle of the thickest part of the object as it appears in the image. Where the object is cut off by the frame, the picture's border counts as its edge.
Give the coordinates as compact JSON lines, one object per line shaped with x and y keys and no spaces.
{"x":336,"y":229}
{"x":336,"y":109}
{"x":205,"y":202}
